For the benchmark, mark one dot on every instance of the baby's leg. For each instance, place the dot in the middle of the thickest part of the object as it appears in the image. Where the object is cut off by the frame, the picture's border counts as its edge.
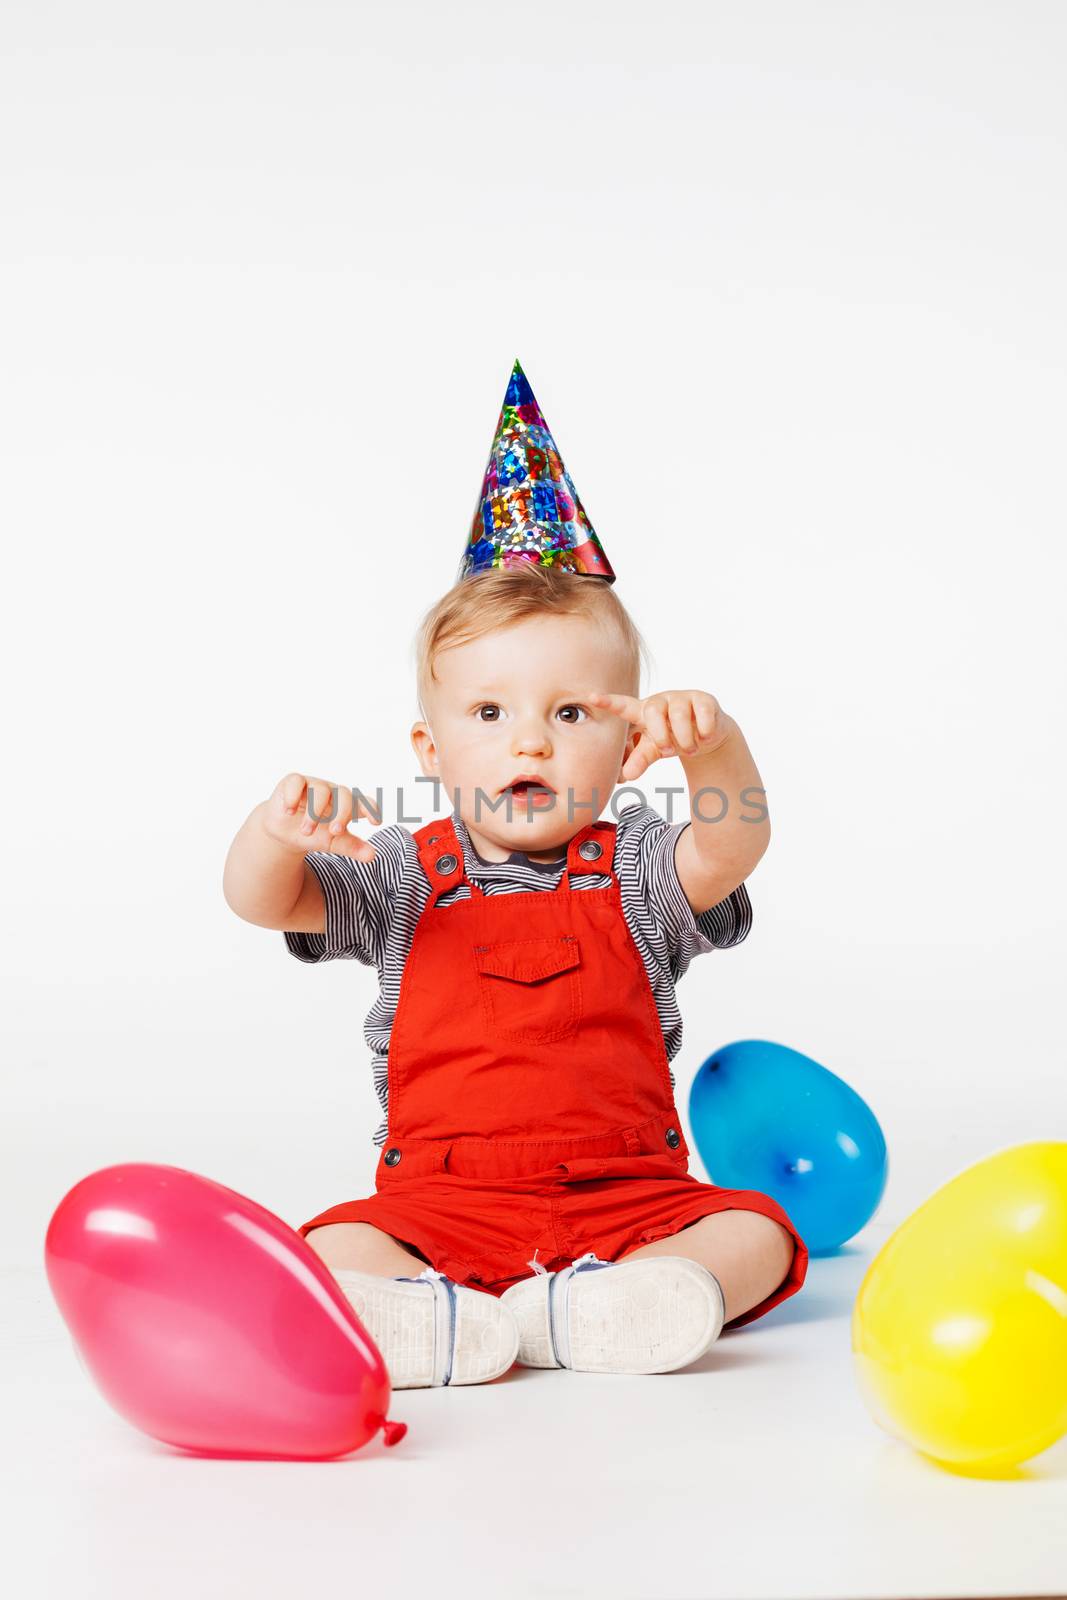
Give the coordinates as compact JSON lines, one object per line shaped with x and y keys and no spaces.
{"x":748,"y":1252}
{"x":359,"y":1247}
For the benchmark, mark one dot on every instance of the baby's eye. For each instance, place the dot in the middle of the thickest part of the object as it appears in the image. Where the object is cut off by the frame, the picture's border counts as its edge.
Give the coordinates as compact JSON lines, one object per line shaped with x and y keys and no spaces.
{"x":493,"y":710}
{"x":580,"y":713}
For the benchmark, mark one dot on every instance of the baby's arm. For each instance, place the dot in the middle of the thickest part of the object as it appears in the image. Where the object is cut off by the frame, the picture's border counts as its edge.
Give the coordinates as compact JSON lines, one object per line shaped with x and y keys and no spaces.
{"x":730,"y":827}
{"x":716,"y":852}
{"x":266,"y":879}
{"x":270,"y":884}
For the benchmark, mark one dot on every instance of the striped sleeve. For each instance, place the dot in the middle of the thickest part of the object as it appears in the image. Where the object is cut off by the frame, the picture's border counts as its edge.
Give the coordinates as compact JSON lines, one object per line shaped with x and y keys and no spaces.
{"x":359,"y":897}
{"x":649,"y":842}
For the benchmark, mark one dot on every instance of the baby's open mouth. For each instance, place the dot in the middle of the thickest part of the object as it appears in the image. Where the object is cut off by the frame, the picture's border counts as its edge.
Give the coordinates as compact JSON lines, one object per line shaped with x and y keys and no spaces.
{"x":531,"y":791}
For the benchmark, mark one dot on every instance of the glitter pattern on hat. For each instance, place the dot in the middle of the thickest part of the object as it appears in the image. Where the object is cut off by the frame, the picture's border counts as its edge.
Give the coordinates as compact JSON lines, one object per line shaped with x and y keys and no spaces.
{"x":529,"y":509}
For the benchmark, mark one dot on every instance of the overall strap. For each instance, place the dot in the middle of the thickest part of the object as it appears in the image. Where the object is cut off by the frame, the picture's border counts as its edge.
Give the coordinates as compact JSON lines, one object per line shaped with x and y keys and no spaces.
{"x":441,"y":858}
{"x":592,"y":850}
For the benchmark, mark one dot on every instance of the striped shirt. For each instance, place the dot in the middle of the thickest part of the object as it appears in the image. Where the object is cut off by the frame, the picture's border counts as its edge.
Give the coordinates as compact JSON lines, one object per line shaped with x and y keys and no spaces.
{"x":372,"y":908}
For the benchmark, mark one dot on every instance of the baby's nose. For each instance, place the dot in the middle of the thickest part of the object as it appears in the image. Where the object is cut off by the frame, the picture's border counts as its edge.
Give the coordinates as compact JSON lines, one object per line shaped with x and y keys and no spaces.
{"x":531,"y":736}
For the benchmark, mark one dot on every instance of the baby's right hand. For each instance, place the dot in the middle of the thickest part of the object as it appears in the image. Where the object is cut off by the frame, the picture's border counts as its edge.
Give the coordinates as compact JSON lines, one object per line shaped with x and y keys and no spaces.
{"x":287,"y":820}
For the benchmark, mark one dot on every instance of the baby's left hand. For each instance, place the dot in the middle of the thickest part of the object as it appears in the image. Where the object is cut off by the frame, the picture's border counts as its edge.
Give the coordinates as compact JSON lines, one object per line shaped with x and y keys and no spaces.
{"x":683,"y":722}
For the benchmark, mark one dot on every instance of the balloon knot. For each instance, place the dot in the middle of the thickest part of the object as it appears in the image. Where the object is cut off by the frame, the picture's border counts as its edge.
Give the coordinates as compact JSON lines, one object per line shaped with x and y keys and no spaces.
{"x":393,"y":1432}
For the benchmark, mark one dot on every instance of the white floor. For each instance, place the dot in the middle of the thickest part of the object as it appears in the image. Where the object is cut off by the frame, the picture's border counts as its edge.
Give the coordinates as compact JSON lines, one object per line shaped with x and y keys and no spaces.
{"x":754,"y":1473}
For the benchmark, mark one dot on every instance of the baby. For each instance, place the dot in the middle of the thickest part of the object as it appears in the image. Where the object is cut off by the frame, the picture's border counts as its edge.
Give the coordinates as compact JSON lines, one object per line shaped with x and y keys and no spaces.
{"x":532,"y":1197}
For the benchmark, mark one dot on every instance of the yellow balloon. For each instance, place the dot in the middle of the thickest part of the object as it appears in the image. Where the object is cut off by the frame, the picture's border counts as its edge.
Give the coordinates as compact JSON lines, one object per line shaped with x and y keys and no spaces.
{"x":960,"y":1326}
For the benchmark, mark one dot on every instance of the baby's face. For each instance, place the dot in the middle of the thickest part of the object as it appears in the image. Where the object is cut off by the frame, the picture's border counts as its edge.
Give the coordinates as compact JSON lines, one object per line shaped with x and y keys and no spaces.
{"x":510,"y":704}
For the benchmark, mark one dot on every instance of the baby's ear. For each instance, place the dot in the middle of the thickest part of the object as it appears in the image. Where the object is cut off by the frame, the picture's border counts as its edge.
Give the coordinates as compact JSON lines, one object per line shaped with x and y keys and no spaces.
{"x":425,"y":750}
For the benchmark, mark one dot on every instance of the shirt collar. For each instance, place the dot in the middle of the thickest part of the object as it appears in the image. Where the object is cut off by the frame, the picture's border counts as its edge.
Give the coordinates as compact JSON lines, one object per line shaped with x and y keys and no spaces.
{"x":473,"y":863}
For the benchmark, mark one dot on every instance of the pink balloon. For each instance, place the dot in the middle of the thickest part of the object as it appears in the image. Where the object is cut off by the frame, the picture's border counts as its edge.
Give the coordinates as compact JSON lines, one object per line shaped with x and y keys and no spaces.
{"x":208,"y":1322}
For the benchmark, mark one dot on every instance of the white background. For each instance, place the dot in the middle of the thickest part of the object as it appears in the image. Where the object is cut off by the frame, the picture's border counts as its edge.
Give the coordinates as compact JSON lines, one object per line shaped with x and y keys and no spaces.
{"x":788,"y":283}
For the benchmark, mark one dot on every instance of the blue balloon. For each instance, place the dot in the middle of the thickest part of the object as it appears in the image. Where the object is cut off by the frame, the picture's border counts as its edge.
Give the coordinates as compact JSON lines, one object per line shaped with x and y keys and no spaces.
{"x":766,"y":1117}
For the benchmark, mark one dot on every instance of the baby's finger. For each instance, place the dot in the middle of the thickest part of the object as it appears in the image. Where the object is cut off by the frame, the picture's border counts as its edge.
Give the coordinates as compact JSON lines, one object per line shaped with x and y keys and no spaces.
{"x":290,"y":792}
{"x":641,"y":757}
{"x":680,"y":717}
{"x":367,"y":807}
{"x":707,"y":715}
{"x":344,"y":810}
{"x":623,"y":705}
{"x":350,"y":844}
{"x":655,"y":720}
{"x":321,"y":804}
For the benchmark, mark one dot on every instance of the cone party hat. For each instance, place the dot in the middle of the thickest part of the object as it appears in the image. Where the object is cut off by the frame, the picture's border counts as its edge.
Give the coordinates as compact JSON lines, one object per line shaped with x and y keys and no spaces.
{"x":528,"y":509}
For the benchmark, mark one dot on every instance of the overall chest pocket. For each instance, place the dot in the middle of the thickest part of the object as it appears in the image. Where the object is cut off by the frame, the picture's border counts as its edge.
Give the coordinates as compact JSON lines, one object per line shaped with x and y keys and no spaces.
{"x":531,"y":989}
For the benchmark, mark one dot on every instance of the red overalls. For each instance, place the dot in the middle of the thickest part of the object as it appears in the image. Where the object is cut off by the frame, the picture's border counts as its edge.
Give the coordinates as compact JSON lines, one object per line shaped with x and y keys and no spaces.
{"x":530,"y":1105}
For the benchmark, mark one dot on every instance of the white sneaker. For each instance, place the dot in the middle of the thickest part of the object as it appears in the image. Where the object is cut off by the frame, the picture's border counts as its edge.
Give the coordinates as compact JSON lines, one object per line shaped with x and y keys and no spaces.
{"x":430,"y":1330}
{"x":649,"y":1315}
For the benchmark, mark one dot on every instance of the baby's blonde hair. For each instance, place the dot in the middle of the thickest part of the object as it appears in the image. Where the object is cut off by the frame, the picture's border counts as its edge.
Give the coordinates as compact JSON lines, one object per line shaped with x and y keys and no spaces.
{"x":502,"y":595}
